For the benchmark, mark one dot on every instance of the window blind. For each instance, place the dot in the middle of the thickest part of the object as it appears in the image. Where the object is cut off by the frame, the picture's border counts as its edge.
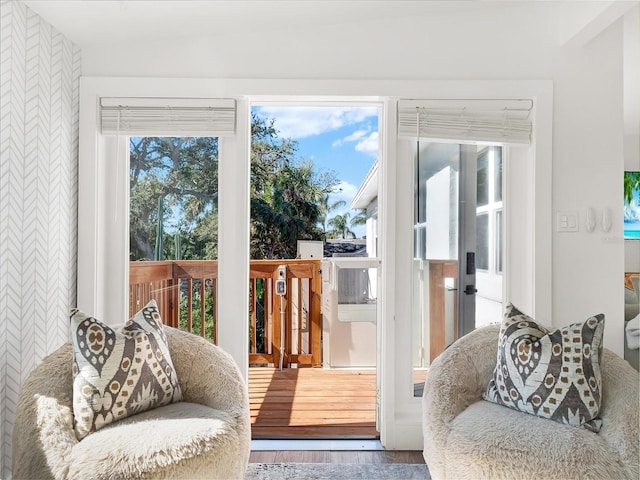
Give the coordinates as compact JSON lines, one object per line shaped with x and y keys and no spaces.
{"x":168,"y":116}
{"x":491,"y":121}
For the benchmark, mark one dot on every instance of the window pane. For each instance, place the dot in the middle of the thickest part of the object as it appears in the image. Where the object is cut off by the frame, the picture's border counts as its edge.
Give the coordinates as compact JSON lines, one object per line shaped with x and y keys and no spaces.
{"x":173,"y":216}
{"x":497,"y":174}
{"x":434,"y":268}
{"x":482,"y":242}
{"x":174,"y":198}
{"x":483,"y":178}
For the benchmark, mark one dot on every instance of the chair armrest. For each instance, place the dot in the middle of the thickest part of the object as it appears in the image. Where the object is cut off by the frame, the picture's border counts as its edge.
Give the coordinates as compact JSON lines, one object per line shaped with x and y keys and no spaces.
{"x":207,"y":374}
{"x":43,"y":435}
{"x":459,"y":376}
{"x":620,"y":409}
{"x":456,"y":379}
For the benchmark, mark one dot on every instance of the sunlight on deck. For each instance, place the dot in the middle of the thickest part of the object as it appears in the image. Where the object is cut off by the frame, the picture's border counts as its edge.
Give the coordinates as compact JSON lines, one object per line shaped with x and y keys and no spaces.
{"x":312,"y":403}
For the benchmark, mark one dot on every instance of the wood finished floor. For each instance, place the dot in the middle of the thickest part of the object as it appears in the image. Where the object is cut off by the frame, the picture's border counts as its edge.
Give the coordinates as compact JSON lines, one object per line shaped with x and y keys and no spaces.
{"x":286,"y":456}
{"x":312,"y":403}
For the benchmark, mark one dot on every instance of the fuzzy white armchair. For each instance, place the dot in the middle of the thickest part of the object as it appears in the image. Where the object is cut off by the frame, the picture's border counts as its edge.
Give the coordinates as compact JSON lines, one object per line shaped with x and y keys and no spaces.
{"x":466,"y":437}
{"x":207,"y":435}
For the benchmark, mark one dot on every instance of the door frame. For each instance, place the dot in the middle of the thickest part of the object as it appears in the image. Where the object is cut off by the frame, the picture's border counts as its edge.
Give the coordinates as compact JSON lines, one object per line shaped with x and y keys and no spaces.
{"x":467,"y":189}
{"x":102,"y":280}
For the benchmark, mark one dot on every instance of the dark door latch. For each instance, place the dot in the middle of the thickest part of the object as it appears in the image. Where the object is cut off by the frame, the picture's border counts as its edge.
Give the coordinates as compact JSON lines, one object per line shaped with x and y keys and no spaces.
{"x":470,"y":290}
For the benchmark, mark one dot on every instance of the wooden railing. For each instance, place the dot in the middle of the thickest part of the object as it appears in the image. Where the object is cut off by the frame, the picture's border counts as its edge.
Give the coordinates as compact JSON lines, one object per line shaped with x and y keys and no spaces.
{"x":186,"y":293}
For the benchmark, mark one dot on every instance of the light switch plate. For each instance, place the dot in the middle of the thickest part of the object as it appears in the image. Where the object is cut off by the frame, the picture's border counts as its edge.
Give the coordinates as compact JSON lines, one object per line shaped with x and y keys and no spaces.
{"x":567,"y":221}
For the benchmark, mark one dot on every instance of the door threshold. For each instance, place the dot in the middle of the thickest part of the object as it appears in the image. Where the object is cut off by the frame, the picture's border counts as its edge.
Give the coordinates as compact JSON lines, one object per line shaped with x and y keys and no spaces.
{"x":317,"y":445}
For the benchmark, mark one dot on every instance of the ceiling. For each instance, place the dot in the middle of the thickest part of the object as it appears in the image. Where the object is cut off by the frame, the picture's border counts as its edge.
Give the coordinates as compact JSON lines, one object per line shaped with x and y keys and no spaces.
{"x":91,"y":22}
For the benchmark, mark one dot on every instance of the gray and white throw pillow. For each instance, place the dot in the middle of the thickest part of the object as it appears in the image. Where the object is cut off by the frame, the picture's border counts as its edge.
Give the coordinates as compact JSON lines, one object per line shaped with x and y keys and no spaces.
{"x":118,"y":373}
{"x":551,"y":373}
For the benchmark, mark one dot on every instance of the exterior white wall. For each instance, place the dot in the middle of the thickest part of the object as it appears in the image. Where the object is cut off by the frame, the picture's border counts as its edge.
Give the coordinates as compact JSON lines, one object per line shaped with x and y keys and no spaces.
{"x":441,"y":202}
{"x":353,"y":344}
{"x":38,"y":200}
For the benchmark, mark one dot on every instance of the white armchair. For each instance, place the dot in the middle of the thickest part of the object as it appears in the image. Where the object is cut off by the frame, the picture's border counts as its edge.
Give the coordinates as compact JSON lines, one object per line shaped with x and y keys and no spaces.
{"x":468,"y":437}
{"x":207,"y":435}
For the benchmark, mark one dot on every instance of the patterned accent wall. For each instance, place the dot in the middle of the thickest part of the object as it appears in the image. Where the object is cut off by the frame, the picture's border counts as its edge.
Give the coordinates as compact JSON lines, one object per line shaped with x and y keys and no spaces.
{"x":39,"y":84}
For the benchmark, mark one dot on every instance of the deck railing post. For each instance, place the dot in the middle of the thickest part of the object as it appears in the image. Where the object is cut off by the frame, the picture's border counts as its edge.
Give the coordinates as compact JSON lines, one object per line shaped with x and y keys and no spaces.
{"x":288,"y":321}
{"x":277,"y":330}
{"x":315,"y":316}
{"x":163,"y":281}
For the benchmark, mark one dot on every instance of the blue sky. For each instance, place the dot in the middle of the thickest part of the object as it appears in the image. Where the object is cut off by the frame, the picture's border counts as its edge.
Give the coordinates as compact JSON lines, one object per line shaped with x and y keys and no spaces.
{"x":339,"y":138}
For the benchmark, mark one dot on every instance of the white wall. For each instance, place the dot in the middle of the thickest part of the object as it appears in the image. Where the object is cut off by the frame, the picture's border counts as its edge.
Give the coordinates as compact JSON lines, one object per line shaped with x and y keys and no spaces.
{"x":587,"y":172}
{"x":38,"y":200}
{"x":501,"y":40}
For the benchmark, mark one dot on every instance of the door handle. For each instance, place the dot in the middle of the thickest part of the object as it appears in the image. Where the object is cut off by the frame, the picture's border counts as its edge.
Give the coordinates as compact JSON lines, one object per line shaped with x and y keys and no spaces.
{"x":470,"y":290}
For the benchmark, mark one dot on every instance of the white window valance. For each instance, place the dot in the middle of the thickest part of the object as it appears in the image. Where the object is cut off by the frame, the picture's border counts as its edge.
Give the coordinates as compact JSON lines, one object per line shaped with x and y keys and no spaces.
{"x":490,"y":121}
{"x":168,"y":116}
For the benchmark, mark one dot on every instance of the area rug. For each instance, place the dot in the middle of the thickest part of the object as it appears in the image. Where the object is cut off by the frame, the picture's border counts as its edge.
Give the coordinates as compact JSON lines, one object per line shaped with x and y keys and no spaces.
{"x":336,"y":471}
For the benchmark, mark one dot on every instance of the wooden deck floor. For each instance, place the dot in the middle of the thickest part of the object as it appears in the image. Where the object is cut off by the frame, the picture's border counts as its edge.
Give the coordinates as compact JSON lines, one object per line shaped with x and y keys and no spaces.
{"x":312,"y":403}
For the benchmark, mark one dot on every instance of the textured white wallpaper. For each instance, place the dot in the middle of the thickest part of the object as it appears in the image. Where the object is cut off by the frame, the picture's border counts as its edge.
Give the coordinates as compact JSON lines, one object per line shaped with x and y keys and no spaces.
{"x":39,"y":82}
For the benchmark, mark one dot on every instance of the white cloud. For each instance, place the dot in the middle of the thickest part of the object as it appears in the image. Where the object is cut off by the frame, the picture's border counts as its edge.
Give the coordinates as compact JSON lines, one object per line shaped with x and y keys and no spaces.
{"x":301,"y":122}
{"x":369,"y":145}
{"x":367,"y":141}
{"x":354,"y":137}
{"x":343,"y":191}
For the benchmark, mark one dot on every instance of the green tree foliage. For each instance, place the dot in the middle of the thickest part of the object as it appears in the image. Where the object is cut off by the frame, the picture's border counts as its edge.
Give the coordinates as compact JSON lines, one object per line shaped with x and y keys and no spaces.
{"x":181,"y":175}
{"x":286,"y":194}
{"x":360,"y":218}
{"x":340,"y":226}
{"x":196,"y":306}
{"x":326,"y":208}
{"x":631,"y":183}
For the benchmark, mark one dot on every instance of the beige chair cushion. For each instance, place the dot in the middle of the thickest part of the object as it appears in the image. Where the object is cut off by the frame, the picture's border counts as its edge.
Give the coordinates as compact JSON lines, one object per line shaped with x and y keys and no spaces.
{"x":468,"y":437}
{"x":208,"y":435}
{"x":507,"y":440}
{"x":153,"y":440}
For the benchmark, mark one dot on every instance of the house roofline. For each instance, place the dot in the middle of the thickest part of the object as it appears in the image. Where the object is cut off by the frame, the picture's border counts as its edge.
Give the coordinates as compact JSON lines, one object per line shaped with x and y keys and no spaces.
{"x":368,"y":189}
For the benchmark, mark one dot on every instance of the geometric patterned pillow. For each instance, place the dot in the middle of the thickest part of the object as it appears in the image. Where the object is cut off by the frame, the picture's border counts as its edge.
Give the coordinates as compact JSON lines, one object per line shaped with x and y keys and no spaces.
{"x":118,"y":373}
{"x":553,"y":374}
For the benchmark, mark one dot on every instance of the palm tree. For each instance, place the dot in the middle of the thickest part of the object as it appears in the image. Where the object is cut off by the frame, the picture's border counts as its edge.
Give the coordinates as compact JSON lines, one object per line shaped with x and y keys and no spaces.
{"x":287,"y":211}
{"x":325,"y":208}
{"x":340,"y":226}
{"x":631,"y":183}
{"x":360,"y":218}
